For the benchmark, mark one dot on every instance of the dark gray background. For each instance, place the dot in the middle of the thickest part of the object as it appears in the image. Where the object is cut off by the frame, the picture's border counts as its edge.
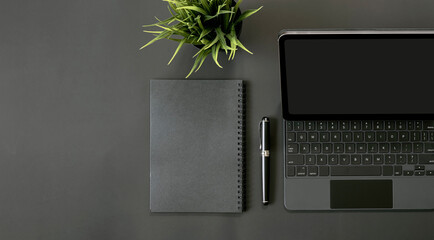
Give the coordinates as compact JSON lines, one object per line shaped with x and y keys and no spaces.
{"x":74,"y":121}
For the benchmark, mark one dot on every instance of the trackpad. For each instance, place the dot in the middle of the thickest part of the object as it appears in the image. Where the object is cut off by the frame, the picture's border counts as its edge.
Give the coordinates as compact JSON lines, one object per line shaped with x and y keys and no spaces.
{"x":361,"y":194}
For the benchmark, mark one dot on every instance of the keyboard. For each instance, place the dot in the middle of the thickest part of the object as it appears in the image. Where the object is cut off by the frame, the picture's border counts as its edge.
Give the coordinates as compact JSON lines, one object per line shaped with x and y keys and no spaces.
{"x":359,"y":148}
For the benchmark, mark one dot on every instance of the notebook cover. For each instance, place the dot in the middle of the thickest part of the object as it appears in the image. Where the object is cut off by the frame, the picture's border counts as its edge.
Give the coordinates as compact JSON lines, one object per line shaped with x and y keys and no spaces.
{"x":196,"y":145}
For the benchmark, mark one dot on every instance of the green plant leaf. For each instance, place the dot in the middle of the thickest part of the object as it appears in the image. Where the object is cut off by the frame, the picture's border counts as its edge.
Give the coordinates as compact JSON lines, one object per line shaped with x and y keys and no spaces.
{"x":237,"y":5}
{"x":204,"y":33}
{"x":153,"y":32}
{"x":216,"y":39}
{"x":221,"y":37}
{"x":203,"y":57}
{"x":231,"y":15}
{"x":199,"y":22}
{"x":164,"y":34}
{"x":196,"y":63}
{"x":205,"y":5}
{"x":246,"y":14}
{"x":233,"y":40}
{"x":194,"y":8}
{"x":177,"y":50}
{"x":164,"y":27}
{"x":220,"y":12}
{"x":242,"y":46}
{"x":215,"y":52}
{"x":176,"y":2}
{"x":226,"y":17}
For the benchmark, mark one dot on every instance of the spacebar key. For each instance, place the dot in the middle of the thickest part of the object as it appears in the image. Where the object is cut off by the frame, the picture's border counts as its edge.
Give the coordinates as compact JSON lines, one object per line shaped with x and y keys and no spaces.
{"x":355,"y":171}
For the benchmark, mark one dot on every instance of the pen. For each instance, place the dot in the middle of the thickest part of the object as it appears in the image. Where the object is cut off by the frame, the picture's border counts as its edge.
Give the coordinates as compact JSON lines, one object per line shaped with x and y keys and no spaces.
{"x":264,"y":146}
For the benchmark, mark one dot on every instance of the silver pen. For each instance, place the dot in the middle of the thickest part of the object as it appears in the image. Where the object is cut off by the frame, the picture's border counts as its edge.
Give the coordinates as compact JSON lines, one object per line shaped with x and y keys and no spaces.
{"x":264,"y":129}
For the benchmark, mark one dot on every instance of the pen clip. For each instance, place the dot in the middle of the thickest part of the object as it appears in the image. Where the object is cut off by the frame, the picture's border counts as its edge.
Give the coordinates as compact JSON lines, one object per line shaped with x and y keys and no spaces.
{"x":260,"y":135}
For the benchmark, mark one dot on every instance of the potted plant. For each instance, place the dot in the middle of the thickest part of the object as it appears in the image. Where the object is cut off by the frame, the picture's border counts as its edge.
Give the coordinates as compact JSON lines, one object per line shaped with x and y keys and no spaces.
{"x":210,"y":25}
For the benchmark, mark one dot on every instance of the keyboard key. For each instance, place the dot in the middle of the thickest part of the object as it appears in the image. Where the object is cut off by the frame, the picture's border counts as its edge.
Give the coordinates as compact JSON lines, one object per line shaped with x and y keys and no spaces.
{"x":327,"y":148}
{"x":418,"y":125}
{"x":312,"y":136}
{"x":401,"y":159}
{"x":430,"y":173}
{"x":290,"y":171}
{"x":407,"y":147}
{"x":294,"y":160}
{"x":321,"y":126}
{"x":332,"y":125}
{"x":290,"y":136}
{"x":378,"y":159}
{"x":289,"y":126}
{"x":292,"y":148}
{"x":389,"y":159}
{"x":356,"y":125}
{"x":390,"y":125}
{"x":412,"y":159}
{"x":333,"y":159}
{"x":345,"y":125}
{"x":324,"y":137}
{"x":426,"y":159}
{"x":367,"y":125}
{"x":347,"y":137}
{"x":304,"y":148}
{"x":417,"y":147}
{"x":316,"y":148}
{"x":410,"y":125}
{"x":429,"y":147}
{"x":298,"y":126}
{"x":367,"y":159}
{"x":301,"y":137}
{"x":380,"y":136}
{"x":419,"y":167}
{"x":344,"y":159}
{"x":392,"y":136}
{"x":369,"y":136}
{"x":312,"y":171}
{"x":336,"y":136}
{"x":310,"y":159}
{"x":361,"y":148}
{"x":408,"y":173}
{"x":415,"y":136}
{"x":419,"y":173}
{"x":384,"y":148}
{"x":397,"y":171}
{"x":387,"y":170}
{"x":350,"y":148}
{"x":378,"y":125}
{"x":404,"y":136}
{"x":321,"y":159}
{"x":356,"y":159}
{"x":395,"y":147}
{"x":338,"y":147}
{"x":401,"y":125}
{"x":428,"y":125}
{"x":358,"y":136}
{"x":301,"y":171}
{"x":372,"y":147}
{"x":431,"y":136}
{"x":310,"y":126}
{"x":355,"y":170}
{"x":424,"y":136}
{"x":323,"y":170}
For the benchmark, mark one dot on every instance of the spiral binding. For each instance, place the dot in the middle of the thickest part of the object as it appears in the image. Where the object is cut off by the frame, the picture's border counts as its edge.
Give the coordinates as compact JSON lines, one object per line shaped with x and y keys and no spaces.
{"x":241,"y":146}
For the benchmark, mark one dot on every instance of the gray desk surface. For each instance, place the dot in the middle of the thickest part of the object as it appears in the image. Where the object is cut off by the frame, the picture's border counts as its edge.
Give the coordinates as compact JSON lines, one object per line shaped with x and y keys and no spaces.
{"x":74,"y":121}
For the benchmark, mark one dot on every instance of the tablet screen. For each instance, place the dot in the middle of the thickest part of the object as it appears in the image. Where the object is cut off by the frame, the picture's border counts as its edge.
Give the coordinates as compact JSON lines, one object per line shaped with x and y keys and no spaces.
{"x":358,"y":74}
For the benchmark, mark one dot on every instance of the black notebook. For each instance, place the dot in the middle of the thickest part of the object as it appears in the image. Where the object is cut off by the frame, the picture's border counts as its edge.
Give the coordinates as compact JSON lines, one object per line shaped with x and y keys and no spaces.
{"x":197,"y":146}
